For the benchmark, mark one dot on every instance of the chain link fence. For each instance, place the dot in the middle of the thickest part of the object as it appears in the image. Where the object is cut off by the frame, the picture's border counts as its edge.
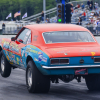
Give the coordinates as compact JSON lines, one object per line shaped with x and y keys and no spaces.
{"x":11,"y":30}
{"x":94,"y":30}
{"x":14,"y":31}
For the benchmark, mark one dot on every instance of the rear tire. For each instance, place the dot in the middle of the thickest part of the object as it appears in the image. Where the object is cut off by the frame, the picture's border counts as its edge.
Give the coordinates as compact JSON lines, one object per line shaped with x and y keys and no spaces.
{"x":36,"y":82}
{"x":0,"y":60}
{"x":93,"y":81}
{"x":5,"y":66}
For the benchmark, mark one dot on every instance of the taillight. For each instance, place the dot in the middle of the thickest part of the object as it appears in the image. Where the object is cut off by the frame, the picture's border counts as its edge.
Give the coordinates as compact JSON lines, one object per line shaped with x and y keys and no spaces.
{"x":54,"y":61}
{"x":96,"y":60}
{"x":59,"y":61}
{"x":64,"y":61}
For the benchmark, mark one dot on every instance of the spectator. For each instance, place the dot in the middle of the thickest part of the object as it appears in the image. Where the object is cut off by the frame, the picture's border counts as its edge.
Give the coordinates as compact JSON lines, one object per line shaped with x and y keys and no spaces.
{"x":82,"y":5}
{"x":91,"y":20}
{"x":98,"y":26}
{"x":79,"y":22}
{"x":91,"y":3}
{"x":80,"y":19}
{"x":55,"y":21}
{"x":37,"y":20}
{"x":96,"y":5}
{"x":94,"y":17}
{"x":72,"y":5}
{"x":78,"y":5}
{"x":47,"y":20}
{"x":3,"y":27}
{"x":42,"y":15}
{"x":84,"y":15}
{"x":96,"y":14}
{"x":72,"y":10}
{"x":11,"y":19}
{"x":95,"y":26}
{"x":90,"y":7}
{"x":18,"y":28}
{"x":88,"y":2}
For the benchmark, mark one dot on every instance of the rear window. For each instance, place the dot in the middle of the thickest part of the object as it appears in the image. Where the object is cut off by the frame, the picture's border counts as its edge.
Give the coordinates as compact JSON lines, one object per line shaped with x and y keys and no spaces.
{"x":66,"y":36}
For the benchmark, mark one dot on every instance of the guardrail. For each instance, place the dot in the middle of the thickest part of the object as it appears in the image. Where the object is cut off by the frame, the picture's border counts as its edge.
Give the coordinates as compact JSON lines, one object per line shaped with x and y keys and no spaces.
{"x":39,"y":14}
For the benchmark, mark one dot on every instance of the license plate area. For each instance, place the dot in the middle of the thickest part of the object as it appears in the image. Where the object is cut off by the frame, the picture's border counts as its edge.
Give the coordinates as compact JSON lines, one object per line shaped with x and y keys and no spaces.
{"x":81,"y":71}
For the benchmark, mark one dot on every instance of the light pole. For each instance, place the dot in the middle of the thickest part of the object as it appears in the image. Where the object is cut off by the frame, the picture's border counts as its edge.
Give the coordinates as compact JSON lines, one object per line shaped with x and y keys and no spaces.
{"x":44,"y":8}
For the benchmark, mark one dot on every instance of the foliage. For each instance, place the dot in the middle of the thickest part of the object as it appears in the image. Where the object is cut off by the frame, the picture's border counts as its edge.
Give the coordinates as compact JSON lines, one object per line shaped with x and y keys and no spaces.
{"x":30,"y":6}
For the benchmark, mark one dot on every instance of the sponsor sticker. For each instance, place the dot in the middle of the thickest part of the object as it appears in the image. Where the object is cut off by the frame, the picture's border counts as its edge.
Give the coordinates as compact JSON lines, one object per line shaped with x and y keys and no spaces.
{"x":28,"y":49}
{"x":44,"y":59}
{"x":34,"y":51}
{"x":23,"y":53}
{"x":35,"y":59}
{"x":17,"y":60}
{"x":7,"y":57}
{"x":65,"y":53}
{"x":93,"y":53}
{"x":41,"y":58}
{"x":33,"y":47}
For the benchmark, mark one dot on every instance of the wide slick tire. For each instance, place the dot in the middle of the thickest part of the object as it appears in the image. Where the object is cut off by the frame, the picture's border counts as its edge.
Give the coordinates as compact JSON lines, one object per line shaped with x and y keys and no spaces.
{"x":5,"y":66}
{"x":0,"y":60}
{"x":36,"y":82}
{"x":93,"y":82}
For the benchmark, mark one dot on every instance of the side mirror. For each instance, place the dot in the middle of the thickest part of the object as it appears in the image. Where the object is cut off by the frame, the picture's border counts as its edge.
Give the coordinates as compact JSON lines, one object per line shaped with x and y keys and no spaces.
{"x":13,"y":39}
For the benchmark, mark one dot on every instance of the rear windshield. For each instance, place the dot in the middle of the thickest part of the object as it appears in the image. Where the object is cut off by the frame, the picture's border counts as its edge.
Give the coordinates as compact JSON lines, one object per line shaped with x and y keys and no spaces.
{"x":61,"y":37}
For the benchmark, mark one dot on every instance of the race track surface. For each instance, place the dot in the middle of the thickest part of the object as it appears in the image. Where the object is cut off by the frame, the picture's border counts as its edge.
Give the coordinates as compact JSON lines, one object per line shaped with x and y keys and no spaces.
{"x":14,"y":88}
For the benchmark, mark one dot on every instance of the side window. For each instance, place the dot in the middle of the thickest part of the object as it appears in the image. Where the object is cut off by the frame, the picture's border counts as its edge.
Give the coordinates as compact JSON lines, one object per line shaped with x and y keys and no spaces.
{"x":29,"y":40}
{"x":24,"y":35}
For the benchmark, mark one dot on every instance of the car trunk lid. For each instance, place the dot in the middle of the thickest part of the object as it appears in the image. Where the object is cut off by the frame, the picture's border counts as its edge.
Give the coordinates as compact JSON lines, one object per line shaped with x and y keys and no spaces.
{"x":73,"y":51}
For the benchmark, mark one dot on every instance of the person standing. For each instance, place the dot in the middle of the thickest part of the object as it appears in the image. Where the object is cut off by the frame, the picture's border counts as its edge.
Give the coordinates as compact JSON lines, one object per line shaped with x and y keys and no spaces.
{"x":82,"y":5}
{"x":37,"y":20}
{"x":98,"y":27}
{"x":3,"y":28}
{"x":42,"y":16}
{"x":80,"y":19}
{"x":90,"y":7}
{"x":91,"y":3}
{"x":95,"y":26}
{"x":88,"y":2}
{"x":79,"y":22}
{"x":47,"y":20}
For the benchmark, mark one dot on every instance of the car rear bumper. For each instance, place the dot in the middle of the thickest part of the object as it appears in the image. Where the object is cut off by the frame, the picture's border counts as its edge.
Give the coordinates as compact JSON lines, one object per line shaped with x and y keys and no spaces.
{"x":67,"y":67}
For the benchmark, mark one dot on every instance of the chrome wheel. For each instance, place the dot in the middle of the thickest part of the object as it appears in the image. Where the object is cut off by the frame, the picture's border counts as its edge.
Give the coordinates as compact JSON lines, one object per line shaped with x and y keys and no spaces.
{"x":2,"y":64}
{"x":29,"y":77}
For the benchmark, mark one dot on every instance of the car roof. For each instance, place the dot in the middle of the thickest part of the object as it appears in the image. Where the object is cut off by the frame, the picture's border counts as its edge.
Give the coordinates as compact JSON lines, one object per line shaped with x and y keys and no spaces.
{"x":56,"y":27}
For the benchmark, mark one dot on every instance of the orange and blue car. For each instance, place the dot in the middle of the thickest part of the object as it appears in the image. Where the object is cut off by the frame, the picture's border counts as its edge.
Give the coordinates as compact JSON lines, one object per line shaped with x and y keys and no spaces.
{"x":49,"y":52}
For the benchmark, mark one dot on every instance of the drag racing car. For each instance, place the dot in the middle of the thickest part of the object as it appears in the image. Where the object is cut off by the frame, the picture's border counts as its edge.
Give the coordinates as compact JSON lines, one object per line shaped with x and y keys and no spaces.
{"x":52,"y":52}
